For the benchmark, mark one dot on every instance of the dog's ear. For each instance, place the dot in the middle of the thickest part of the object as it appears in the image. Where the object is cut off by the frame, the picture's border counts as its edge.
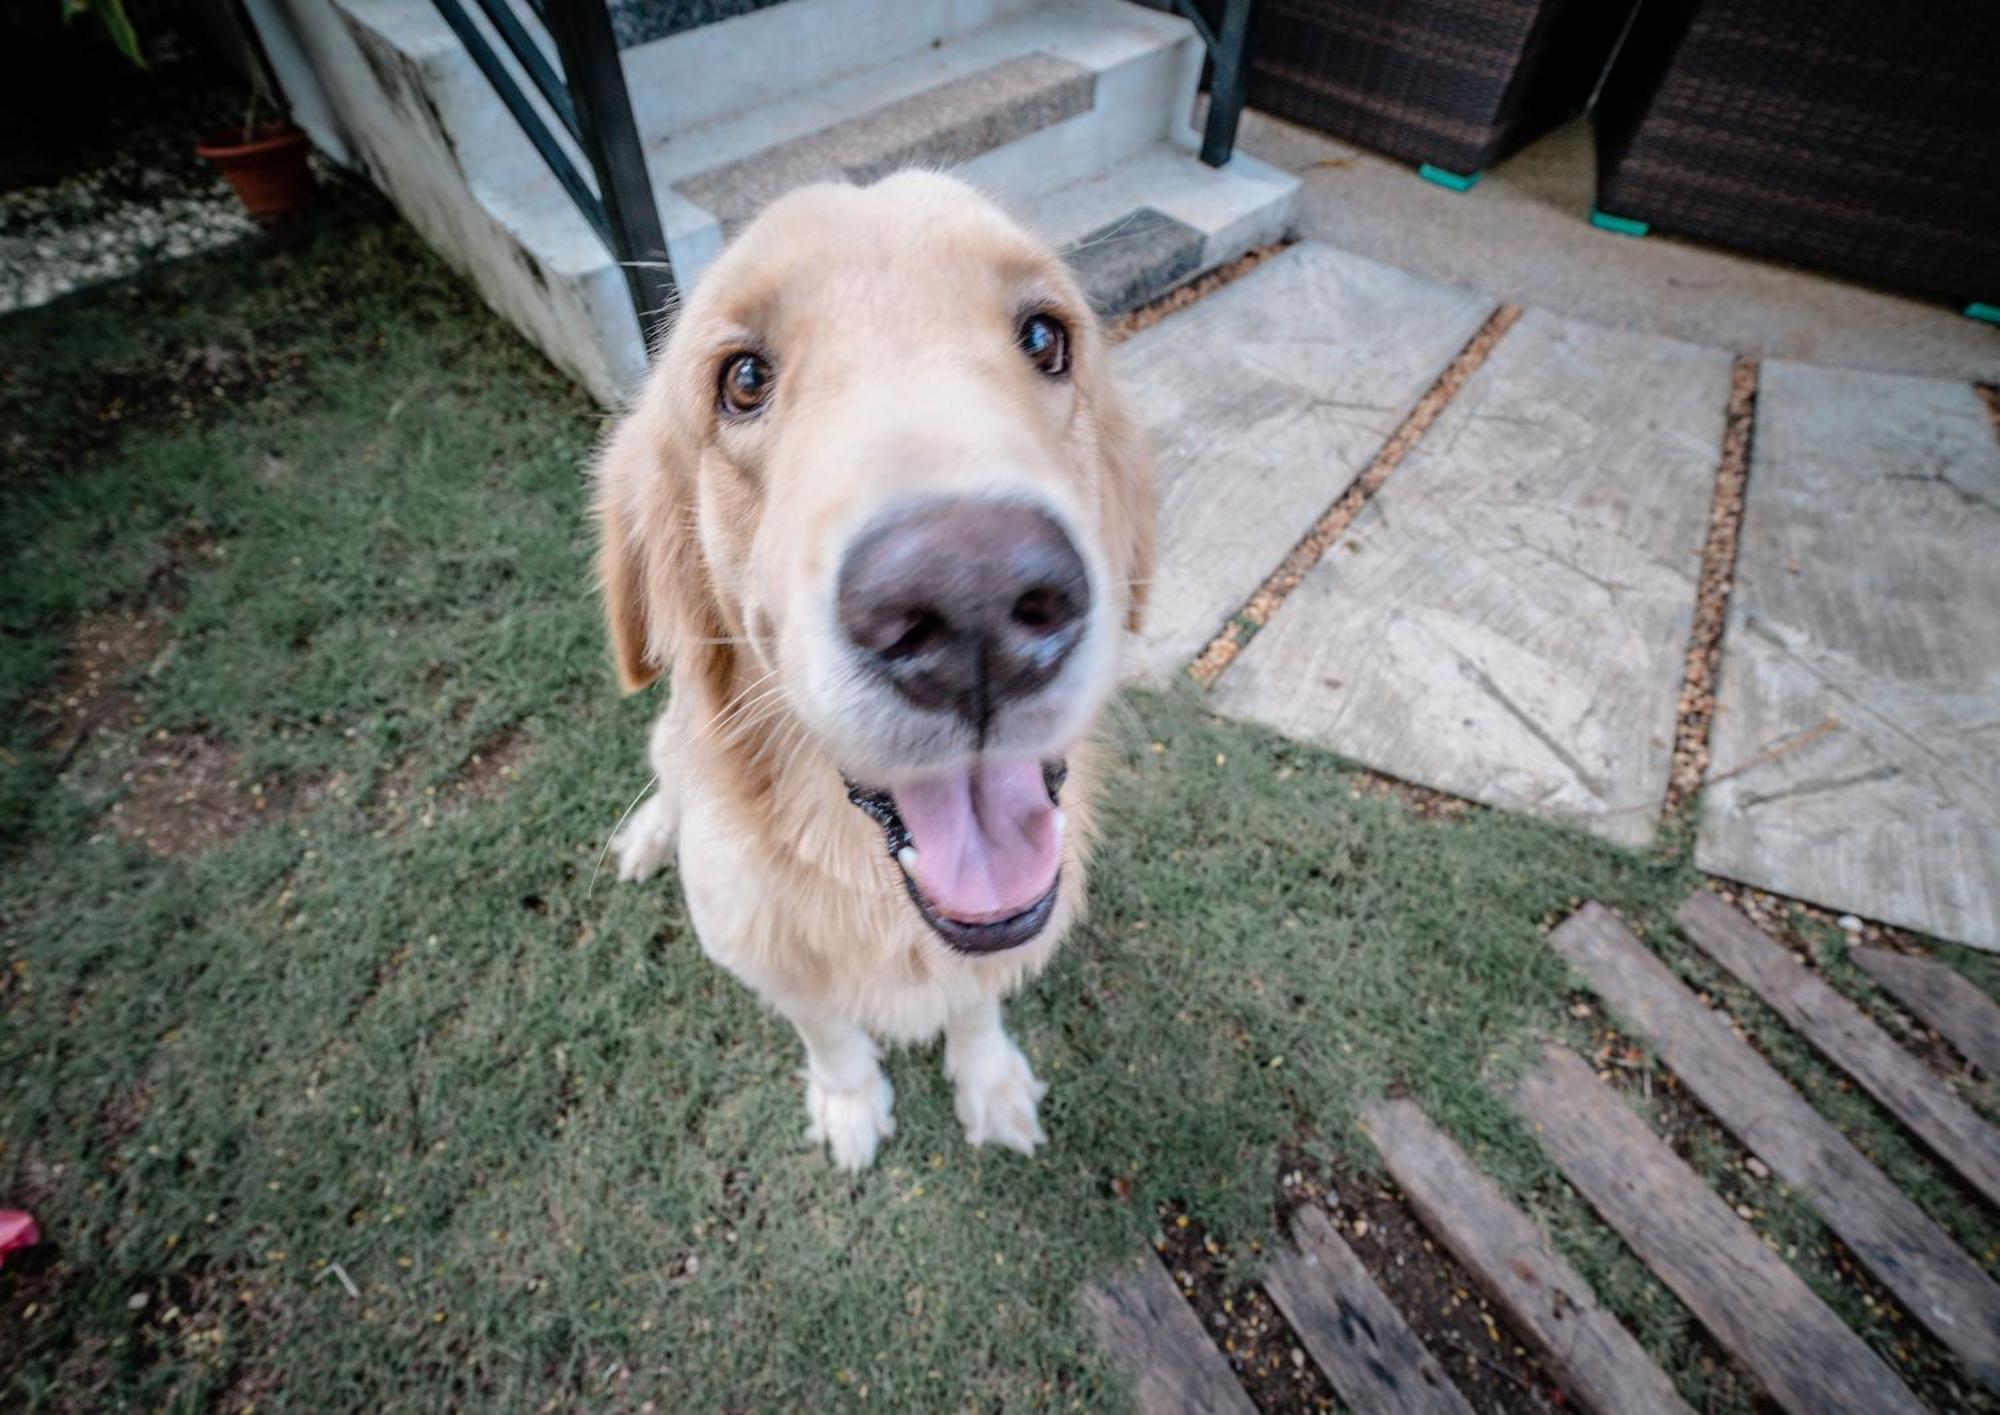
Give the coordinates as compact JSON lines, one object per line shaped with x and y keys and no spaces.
{"x":626,"y":476}
{"x":657,"y":602}
{"x":1127,"y":495}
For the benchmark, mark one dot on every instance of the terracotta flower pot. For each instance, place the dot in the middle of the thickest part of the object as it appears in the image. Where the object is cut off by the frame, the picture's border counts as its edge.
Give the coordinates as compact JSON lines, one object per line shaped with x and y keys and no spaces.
{"x":266,"y":166}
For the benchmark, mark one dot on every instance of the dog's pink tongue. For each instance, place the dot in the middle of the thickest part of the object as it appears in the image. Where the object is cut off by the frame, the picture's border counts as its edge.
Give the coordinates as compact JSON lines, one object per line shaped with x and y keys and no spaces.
{"x":986,"y":839}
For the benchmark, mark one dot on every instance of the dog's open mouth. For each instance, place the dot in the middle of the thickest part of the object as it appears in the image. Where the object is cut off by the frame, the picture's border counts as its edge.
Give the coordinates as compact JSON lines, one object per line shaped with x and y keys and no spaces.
{"x":980,"y":848}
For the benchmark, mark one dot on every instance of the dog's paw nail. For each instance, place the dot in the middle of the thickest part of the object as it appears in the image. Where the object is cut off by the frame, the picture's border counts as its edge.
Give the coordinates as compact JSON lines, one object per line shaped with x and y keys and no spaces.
{"x":996,"y":1100}
{"x":851,"y":1123}
{"x":646,"y":843}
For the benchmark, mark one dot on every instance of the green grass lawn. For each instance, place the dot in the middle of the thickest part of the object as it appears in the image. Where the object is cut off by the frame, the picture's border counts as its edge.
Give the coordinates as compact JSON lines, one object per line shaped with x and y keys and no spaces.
{"x":560,"y":1155}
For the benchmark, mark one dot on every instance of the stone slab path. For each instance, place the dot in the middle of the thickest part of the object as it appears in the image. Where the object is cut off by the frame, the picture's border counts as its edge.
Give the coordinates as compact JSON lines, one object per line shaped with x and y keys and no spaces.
{"x":1486,"y":583}
{"x":1856,"y":756}
{"x":1264,"y":401}
{"x":1506,"y":620}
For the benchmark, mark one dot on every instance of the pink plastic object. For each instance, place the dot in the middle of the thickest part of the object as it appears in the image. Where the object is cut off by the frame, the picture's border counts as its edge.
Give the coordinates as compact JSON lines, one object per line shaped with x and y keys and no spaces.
{"x":17,"y":1231}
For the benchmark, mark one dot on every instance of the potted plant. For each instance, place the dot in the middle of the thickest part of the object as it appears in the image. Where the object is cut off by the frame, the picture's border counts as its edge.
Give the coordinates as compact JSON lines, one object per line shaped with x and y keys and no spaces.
{"x":264,"y":163}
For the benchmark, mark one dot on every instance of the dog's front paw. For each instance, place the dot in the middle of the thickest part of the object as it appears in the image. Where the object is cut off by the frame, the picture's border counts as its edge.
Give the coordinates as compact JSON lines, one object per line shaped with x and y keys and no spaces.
{"x":851,"y":1123}
{"x":646,"y":842}
{"x":996,"y":1094}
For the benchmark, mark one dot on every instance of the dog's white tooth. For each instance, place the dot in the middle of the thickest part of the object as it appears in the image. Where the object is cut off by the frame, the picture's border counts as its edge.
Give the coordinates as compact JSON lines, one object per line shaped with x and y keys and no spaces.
{"x":1062,"y":822}
{"x":907,"y":858}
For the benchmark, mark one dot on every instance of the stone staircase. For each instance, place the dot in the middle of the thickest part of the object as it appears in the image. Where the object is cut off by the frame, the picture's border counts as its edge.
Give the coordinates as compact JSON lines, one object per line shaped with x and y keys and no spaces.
{"x":1073,"y":113}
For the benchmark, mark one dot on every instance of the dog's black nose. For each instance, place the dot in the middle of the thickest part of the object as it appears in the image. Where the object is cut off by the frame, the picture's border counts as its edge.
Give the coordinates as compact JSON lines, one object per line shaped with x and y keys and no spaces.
{"x":964,"y":604}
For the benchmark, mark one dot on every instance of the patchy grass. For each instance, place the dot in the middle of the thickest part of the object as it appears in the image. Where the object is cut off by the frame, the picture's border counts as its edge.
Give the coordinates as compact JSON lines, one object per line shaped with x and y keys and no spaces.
{"x":399,"y":1023}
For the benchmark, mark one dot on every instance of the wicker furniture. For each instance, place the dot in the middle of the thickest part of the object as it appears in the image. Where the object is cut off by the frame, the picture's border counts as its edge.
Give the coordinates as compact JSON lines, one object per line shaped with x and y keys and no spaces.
{"x":1856,"y":136}
{"x":1452,"y":84}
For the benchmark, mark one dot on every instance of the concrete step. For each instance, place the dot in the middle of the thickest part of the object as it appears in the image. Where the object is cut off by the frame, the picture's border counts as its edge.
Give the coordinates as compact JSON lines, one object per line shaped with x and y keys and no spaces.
{"x":942,"y":126}
{"x":1160,"y":217}
{"x":1071,"y":112}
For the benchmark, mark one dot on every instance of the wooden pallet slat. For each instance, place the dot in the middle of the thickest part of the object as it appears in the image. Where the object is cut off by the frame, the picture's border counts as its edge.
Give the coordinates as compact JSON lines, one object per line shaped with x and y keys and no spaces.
{"x":1595,"y":1358}
{"x":1146,"y":1326}
{"x":1356,"y":1335}
{"x":1936,"y":1280}
{"x":1843,"y":1033}
{"x":1757,"y":1308}
{"x":1941,"y":998}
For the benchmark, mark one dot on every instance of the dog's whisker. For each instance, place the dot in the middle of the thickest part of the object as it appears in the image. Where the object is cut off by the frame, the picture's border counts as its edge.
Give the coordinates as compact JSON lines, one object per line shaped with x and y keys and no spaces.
{"x":651,"y":782}
{"x":740,"y":717}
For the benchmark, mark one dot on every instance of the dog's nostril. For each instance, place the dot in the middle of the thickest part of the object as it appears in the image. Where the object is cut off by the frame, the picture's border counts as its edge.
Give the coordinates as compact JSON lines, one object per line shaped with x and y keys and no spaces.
{"x":963,"y":605}
{"x":925,"y":628}
{"x":1043,"y":610}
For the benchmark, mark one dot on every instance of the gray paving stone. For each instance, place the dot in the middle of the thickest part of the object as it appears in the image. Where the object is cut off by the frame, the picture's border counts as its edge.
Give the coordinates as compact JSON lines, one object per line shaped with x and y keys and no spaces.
{"x":1264,"y":401}
{"x":1856,"y":752}
{"x":1129,"y":261}
{"x":1508,"y":618}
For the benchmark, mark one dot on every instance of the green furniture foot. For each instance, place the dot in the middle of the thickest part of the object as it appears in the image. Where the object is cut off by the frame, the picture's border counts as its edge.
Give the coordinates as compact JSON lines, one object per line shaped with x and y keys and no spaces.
{"x":1458,"y":182}
{"x":1623,"y":225}
{"x":1980,"y":310}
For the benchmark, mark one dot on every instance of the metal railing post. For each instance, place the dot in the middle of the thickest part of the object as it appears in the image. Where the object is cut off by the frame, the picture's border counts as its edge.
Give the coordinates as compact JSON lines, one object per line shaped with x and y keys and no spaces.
{"x":1226,"y":84}
{"x":609,"y":137}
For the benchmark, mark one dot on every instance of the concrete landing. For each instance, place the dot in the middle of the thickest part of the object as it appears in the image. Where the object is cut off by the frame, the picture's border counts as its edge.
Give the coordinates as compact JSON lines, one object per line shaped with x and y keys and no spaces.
{"x":1508,"y":618}
{"x":1522,"y":236}
{"x":1856,"y":757}
{"x":1264,"y":401}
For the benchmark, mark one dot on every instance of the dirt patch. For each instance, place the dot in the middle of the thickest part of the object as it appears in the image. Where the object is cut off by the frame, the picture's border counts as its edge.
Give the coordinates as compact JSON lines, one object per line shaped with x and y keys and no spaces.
{"x":487,"y":773}
{"x":1261,"y":1347}
{"x":1466,"y":1335}
{"x":184,"y":791}
{"x":1696,"y":711}
{"x":1420,"y":800}
{"x":1490,"y":1365}
{"x":491,"y":768}
{"x":189,"y":385}
{"x":92,"y":693}
{"x":1335,"y":520}
{"x":186,"y":794}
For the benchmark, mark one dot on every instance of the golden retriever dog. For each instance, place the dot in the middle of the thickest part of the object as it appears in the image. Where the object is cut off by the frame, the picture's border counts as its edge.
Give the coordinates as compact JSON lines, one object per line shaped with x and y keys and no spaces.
{"x":880,"y":514}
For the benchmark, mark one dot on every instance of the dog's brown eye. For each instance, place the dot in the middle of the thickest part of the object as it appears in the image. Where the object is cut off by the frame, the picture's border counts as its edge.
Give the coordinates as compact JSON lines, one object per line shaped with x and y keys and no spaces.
{"x":746,"y":383}
{"x":1046,"y":343}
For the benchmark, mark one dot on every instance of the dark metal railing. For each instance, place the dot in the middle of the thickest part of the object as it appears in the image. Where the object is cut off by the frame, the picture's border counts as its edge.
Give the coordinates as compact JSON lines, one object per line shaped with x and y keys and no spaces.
{"x":1226,"y":73}
{"x":588,"y":97}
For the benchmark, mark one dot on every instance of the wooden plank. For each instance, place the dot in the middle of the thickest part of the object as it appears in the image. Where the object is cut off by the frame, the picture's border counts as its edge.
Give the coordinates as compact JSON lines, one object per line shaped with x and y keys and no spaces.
{"x":1935,"y":1279}
{"x":1961,"y":1013}
{"x":1146,"y":1326}
{"x":1360,"y":1340}
{"x":1907,"y":1088}
{"x":1595,"y":1358}
{"x":1757,"y":1309}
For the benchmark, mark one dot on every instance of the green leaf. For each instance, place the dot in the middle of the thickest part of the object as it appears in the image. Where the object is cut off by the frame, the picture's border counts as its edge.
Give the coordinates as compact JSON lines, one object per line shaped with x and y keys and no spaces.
{"x":119,"y":26}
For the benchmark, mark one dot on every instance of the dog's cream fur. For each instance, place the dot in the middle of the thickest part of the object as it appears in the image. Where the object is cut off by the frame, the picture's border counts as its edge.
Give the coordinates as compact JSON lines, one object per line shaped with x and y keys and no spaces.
{"x":890,"y":316}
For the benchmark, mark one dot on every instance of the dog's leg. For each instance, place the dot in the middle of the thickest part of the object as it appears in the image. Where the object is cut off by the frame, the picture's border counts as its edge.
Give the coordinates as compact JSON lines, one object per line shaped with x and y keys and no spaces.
{"x":995,"y":1091}
{"x":646,"y":841}
{"x":848,"y":1096}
